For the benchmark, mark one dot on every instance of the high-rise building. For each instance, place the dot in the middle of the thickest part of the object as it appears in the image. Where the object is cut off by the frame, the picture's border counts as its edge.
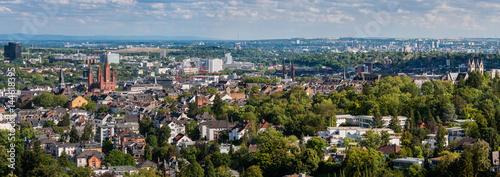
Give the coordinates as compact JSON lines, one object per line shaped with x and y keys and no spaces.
{"x":163,"y":53}
{"x":62,"y":85}
{"x":12,"y":51}
{"x":229,"y":58}
{"x":214,"y":65}
{"x":111,"y":57}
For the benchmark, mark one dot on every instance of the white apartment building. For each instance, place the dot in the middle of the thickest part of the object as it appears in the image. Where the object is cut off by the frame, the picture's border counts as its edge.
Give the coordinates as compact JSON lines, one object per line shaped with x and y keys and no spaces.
{"x":455,"y":133}
{"x":335,"y":135}
{"x":214,"y":65}
{"x":229,"y":58}
{"x":365,"y":121}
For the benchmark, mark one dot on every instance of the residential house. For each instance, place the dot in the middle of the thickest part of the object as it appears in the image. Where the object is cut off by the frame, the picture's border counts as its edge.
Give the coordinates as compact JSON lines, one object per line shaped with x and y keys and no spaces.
{"x":211,"y":130}
{"x":388,"y":149}
{"x":182,"y":140}
{"x":79,"y":101}
{"x":432,"y":140}
{"x":59,"y":147}
{"x":239,"y":130}
{"x":455,"y":133}
{"x":463,"y":143}
{"x":90,"y":158}
{"x":494,"y":159}
{"x":116,"y":171}
{"x":405,"y":163}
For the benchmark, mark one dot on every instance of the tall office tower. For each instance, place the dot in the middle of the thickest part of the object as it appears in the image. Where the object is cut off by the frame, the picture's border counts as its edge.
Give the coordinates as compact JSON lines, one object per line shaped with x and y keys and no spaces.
{"x":111,"y":57}
{"x":214,"y":65}
{"x":12,"y":51}
{"x":163,"y":53}
{"x":229,"y":58}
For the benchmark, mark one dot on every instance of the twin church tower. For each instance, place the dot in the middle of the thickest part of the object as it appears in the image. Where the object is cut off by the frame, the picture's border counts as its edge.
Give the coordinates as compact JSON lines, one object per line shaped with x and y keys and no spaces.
{"x":475,"y":65}
{"x":105,"y":78}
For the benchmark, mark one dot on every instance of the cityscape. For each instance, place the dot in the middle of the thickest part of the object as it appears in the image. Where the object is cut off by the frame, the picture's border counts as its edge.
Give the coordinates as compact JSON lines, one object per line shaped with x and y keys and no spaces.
{"x":133,"y":88}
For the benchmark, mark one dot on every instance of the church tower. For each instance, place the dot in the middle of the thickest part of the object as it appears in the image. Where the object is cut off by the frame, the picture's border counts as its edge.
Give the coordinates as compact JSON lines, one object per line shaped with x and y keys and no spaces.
{"x":480,"y":65}
{"x":105,"y":78}
{"x":471,"y":66}
{"x":62,"y":85}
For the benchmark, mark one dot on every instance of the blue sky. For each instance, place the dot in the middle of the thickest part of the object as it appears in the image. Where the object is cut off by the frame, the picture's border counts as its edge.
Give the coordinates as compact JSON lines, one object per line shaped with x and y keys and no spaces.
{"x":254,"y":19}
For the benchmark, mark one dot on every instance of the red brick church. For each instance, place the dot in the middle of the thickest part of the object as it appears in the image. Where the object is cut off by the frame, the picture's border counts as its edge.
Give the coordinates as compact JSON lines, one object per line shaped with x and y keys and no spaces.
{"x":105,"y":81}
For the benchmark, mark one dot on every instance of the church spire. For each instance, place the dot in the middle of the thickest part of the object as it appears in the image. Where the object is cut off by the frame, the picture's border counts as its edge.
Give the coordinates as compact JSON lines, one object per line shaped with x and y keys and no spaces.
{"x":62,"y":85}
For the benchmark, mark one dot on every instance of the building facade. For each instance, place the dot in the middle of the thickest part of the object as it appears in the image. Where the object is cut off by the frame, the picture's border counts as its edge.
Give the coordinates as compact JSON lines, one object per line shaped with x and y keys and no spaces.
{"x":214,"y":65}
{"x":12,"y":51}
{"x":111,"y":57}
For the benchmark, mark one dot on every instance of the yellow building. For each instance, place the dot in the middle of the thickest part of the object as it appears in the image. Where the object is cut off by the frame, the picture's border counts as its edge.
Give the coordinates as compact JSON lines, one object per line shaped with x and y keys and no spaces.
{"x":77,"y":102}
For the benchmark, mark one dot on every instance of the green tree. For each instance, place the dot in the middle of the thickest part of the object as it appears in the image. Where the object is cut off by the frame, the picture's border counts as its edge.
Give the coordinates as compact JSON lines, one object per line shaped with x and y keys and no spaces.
{"x":107,"y":146}
{"x":370,"y":139}
{"x":377,"y":120}
{"x":146,"y":126}
{"x":118,"y":158}
{"x":209,"y":169}
{"x":193,"y":170}
{"x":252,"y":171}
{"x":385,"y":137}
{"x":169,"y":99}
{"x":317,"y":144}
{"x":49,"y":123}
{"x":223,"y":171}
{"x":480,"y":152}
{"x":73,"y":135}
{"x":64,"y":122}
{"x":465,"y":167}
{"x":217,"y":109}
{"x":193,"y":109}
{"x":220,"y":159}
{"x":63,"y":160}
{"x":87,"y":133}
{"x":394,"y":124}
{"x":4,"y":162}
{"x":440,"y":140}
{"x":416,"y":170}
{"x":90,"y":105}
{"x":103,"y":109}
{"x":449,"y":113}
{"x":163,"y":134}
{"x":359,"y":161}
{"x":145,"y":171}
{"x":81,"y":172}
{"x":148,"y":155}
{"x":192,"y":130}
{"x":152,"y":140}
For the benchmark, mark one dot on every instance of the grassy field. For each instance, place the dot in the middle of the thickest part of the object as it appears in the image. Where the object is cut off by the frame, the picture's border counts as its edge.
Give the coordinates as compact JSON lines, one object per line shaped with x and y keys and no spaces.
{"x":142,"y":49}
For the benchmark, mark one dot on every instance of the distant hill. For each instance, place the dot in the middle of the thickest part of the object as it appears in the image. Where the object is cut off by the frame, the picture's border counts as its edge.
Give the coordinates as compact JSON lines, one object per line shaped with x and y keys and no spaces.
{"x":49,"y":37}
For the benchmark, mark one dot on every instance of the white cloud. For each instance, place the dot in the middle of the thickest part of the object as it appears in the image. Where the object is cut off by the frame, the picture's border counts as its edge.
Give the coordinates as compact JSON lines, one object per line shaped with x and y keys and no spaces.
{"x":5,"y":10}
{"x":401,"y":11}
{"x":11,"y":2}
{"x":157,"y":5}
{"x":314,"y":10}
{"x":365,"y":11}
{"x":82,"y":21}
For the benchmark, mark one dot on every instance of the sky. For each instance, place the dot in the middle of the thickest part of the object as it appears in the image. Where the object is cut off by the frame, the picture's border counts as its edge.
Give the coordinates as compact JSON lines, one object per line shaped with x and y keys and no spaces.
{"x":254,"y":19}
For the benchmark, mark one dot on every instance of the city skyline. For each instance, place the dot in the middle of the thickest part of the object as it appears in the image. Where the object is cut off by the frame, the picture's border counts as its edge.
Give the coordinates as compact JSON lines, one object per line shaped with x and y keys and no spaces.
{"x":255,"y":19}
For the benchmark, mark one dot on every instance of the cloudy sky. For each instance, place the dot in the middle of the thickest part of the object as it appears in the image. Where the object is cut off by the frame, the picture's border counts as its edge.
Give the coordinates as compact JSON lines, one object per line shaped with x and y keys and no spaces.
{"x":254,"y":19}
